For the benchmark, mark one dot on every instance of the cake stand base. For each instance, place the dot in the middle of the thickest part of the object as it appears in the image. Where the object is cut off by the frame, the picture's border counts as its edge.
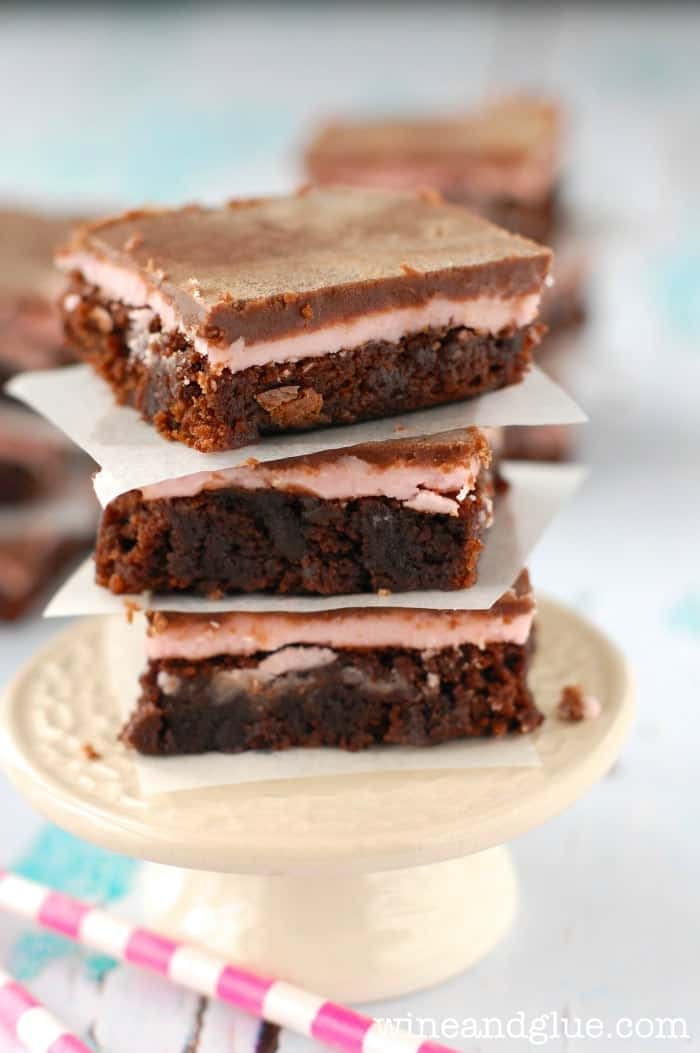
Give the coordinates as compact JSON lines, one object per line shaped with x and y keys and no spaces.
{"x":356,"y":937}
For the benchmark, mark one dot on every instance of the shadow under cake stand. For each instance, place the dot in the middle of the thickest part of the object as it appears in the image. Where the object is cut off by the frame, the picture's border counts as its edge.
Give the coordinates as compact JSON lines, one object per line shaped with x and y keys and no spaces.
{"x":360,"y":887}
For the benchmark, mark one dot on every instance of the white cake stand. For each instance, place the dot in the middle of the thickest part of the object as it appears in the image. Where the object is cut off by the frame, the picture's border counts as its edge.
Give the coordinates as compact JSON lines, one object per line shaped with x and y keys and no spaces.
{"x":361,"y":886}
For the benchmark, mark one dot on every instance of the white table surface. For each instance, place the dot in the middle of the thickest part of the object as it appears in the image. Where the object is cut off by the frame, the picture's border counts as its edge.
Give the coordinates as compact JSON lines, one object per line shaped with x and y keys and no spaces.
{"x":95,"y":109}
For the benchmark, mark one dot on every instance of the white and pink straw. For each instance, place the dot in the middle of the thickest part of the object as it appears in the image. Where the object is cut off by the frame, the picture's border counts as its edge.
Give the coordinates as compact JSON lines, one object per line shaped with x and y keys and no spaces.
{"x":206,"y":973}
{"x":31,"y":1024}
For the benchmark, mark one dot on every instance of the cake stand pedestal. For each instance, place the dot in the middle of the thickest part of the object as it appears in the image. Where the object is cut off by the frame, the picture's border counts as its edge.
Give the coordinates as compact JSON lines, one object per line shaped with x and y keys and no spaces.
{"x":360,"y":886}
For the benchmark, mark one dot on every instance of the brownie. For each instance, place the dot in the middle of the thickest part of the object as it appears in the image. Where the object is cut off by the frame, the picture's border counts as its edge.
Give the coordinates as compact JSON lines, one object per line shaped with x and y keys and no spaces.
{"x":501,"y":159}
{"x":369,"y":697}
{"x":34,"y":458}
{"x":326,"y":307}
{"x":538,"y":220}
{"x":541,"y":442}
{"x":564,"y":306}
{"x":30,"y":328}
{"x":29,"y":562}
{"x":46,"y":508}
{"x":350,"y":679}
{"x":556,"y":443}
{"x":180,"y":395}
{"x":398,"y":515}
{"x":42,"y":531}
{"x":18,"y":482}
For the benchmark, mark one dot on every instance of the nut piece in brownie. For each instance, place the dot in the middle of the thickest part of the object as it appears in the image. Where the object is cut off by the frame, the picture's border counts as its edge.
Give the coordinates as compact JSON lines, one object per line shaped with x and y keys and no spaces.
{"x":502,"y":159}
{"x":348,"y":678}
{"x":329,"y":306}
{"x":30,"y":328}
{"x":398,"y":515}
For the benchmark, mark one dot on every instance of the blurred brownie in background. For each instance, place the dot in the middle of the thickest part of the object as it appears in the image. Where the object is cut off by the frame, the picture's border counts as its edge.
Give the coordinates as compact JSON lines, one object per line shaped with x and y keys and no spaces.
{"x":47,"y":509}
{"x":34,"y":458}
{"x":503,"y":159}
{"x":29,"y":562}
{"x":30,"y":330}
{"x":541,"y":442}
{"x":548,"y":442}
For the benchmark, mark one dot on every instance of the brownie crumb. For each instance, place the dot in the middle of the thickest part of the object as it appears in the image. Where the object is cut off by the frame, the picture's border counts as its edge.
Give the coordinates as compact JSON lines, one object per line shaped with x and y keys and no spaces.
{"x":575,"y":705}
{"x":89,"y":751}
{"x":130,"y":607}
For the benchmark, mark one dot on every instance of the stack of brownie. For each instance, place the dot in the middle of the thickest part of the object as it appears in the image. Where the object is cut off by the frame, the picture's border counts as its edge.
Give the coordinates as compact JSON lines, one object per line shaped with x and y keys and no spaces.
{"x":272,"y":316}
{"x":46,"y":516}
{"x":502,"y":159}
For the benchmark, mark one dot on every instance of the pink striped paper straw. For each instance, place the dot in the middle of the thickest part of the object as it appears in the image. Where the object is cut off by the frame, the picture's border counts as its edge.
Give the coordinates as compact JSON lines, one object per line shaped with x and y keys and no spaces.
{"x":207,"y":973}
{"x":31,"y":1024}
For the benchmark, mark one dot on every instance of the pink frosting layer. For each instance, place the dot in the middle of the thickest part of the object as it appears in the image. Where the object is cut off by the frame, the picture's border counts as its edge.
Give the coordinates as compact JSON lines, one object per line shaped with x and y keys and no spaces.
{"x":485,"y":314}
{"x":174,"y":307}
{"x":180,"y":310}
{"x":419,"y":486}
{"x":197,"y":638}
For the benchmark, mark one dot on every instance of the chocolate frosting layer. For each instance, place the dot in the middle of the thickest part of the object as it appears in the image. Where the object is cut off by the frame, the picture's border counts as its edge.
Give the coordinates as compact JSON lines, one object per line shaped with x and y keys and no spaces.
{"x":268,"y":268}
{"x":443,"y":450}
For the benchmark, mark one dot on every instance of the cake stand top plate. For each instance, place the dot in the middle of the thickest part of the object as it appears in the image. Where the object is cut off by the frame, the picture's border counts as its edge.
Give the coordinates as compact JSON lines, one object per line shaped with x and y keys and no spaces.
{"x":63,"y":699}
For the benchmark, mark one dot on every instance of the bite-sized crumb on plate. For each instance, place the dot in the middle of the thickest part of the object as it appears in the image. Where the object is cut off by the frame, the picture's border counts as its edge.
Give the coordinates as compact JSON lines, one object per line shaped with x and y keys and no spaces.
{"x":575,"y":705}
